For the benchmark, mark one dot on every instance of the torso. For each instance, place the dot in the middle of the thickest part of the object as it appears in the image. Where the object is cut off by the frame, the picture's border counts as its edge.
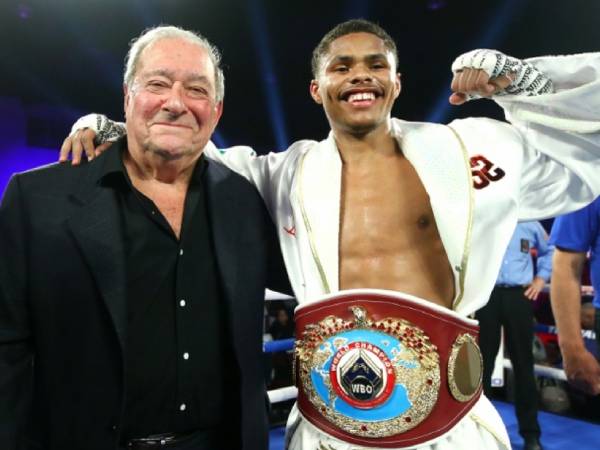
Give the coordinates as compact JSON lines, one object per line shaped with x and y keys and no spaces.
{"x":388,"y":235}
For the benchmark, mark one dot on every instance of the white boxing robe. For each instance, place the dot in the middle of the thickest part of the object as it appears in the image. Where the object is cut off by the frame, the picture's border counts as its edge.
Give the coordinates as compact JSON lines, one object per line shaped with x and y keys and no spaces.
{"x":545,"y":163}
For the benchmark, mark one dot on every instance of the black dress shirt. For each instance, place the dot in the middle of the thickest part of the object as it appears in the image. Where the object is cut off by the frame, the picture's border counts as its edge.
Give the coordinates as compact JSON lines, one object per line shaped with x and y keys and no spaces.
{"x":179,"y":371}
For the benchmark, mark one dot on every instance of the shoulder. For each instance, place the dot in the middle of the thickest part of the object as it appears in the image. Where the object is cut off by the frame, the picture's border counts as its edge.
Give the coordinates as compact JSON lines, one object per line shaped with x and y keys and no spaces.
{"x":499,"y":142}
{"x":300,"y":147}
{"x":536,"y":229}
{"x":229,"y":183}
{"x":482,"y":126}
{"x":574,"y":230}
{"x":244,"y":151}
{"x":58,"y":180}
{"x":51,"y":178}
{"x":473,"y":131}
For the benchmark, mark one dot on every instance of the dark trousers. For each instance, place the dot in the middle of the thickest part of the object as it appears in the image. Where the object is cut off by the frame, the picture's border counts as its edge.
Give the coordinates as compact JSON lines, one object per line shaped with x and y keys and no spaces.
{"x":508,"y":307}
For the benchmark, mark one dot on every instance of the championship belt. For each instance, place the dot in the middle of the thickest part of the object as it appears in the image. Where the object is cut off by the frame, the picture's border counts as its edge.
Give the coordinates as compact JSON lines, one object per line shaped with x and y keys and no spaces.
{"x":383,"y":369}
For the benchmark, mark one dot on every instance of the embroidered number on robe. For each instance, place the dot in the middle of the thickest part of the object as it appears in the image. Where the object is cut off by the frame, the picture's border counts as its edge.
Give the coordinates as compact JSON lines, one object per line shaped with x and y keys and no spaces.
{"x":484,"y":171}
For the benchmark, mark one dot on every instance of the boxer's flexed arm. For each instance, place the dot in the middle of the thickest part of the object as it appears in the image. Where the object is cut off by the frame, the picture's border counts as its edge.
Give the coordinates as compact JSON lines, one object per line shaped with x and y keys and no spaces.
{"x":487,"y":73}
{"x":479,"y":73}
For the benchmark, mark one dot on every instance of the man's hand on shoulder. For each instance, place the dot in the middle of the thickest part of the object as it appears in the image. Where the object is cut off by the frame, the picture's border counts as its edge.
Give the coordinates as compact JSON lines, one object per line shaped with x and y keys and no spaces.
{"x":80,"y":142}
{"x":485,"y":73}
{"x":90,"y":135}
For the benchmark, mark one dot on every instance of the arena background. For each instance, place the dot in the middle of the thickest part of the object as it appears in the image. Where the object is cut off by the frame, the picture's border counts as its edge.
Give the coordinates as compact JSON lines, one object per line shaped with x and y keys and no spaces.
{"x":63,"y":58}
{"x":60,"y":59}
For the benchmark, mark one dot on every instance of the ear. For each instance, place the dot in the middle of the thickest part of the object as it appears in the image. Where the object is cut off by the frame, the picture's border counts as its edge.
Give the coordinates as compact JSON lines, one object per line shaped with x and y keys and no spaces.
{"x":218,"y":108}
{"x":219,"y":112}
{"x":397,"y":85}
{"x":314,"y":92}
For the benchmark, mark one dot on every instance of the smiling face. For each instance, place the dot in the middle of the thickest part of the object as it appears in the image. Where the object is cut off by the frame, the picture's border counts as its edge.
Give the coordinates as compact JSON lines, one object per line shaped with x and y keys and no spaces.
{"x":170,"y":108}
{"x":357,"y":83}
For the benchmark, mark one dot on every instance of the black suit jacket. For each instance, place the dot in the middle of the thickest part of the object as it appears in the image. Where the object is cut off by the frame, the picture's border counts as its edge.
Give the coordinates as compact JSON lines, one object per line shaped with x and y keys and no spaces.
{"x":63,"y":304}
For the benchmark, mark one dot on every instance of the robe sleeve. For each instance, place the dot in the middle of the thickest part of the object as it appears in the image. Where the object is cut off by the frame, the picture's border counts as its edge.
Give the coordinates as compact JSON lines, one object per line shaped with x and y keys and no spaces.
{"x":561,"y":137}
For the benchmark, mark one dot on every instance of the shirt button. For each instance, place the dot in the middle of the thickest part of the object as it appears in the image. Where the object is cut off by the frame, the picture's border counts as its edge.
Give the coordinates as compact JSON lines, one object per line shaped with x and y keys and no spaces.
{"x":182,"y":407}
{"x":180,"y":252}
{"x":182,"y":303}
{"x":186,"y":355}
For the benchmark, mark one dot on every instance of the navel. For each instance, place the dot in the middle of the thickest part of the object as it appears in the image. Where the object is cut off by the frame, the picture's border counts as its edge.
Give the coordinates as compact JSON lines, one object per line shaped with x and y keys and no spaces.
{"x":423,"y":221}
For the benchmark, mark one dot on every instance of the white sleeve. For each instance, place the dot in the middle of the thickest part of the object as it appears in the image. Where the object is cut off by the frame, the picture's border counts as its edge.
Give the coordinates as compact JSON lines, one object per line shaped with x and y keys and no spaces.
{"x":272,"y":174}
{"x":561,"y":137}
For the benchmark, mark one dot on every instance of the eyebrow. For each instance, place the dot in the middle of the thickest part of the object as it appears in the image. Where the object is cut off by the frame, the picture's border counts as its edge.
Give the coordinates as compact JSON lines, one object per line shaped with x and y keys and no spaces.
{"x":346,"y":59}
{"x":170,"y":74}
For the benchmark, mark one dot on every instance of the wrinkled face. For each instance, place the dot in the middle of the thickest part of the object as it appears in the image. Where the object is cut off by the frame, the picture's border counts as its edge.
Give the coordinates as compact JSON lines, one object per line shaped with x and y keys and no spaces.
{"x":357,"y":83}
{"x":170,"y":108}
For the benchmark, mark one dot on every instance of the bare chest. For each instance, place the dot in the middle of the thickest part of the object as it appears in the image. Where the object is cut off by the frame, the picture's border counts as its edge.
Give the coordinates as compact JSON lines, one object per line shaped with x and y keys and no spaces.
{"x":384,"y":206}
{"x":388,"y":235}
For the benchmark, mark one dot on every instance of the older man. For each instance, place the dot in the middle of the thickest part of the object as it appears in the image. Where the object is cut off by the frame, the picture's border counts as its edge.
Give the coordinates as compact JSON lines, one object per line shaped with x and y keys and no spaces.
{"x":420,"y":215}
{"x":131,"y":288}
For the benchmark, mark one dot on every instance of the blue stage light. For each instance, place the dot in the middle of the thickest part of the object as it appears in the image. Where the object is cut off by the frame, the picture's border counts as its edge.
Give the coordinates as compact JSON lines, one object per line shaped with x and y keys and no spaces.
{"x":495,"y":29}
{"x":268,"y":77}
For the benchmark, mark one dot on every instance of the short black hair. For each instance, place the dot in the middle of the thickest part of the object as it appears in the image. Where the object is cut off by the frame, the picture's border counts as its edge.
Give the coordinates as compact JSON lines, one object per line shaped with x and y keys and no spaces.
{"x":349,"y":27}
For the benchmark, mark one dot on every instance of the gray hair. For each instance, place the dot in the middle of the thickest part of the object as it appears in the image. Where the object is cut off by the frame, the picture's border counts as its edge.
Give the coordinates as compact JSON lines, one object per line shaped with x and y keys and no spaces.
{"x":152,"y":35}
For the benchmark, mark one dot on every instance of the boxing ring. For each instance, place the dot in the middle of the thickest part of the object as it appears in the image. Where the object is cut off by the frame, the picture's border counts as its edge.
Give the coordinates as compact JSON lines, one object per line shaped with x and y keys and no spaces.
{"x":558,"y":432}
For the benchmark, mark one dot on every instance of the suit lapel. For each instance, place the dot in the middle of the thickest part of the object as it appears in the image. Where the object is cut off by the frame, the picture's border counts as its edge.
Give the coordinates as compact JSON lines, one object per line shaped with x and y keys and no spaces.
{"x":96,"y":227}
{"x":220,"y":200}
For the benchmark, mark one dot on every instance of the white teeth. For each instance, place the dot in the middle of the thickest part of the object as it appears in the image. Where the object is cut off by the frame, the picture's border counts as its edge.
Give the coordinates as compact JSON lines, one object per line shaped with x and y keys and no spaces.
{"x":361,"y":96}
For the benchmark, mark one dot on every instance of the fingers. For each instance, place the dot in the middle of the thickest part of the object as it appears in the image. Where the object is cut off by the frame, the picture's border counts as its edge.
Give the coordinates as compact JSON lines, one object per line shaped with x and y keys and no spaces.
{"x":583,"y":372}
{"x":88,"y":143}
{"x":78,"y":144}
{"x":471,"y":81}
{"x":590,"y":387}
{"x":503,"y":81}
{"x":531,"y":293}
{"x":457,"y":99}
{"x":101,"y":148}
{"x":76,"y":148}
{"x":64,"y":150}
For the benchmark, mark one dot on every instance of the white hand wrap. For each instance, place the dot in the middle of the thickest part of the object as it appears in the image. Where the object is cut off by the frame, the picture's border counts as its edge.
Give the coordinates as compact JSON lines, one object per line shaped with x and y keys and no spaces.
{"x":528,"y":81}
{"x":106,"y":130}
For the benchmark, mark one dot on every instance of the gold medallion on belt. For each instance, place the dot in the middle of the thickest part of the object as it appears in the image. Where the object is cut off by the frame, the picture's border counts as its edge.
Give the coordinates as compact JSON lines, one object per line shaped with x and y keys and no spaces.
{"x":371,"y":378}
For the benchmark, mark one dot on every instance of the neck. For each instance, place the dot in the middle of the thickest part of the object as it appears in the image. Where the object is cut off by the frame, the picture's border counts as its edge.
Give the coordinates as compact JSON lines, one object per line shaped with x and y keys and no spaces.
{"x":147,"y":166}
{"x":355,"y":147}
